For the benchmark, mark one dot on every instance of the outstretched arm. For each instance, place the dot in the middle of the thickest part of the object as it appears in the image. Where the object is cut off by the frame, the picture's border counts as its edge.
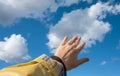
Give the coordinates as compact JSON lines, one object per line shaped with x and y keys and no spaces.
{"x":66,"y":54}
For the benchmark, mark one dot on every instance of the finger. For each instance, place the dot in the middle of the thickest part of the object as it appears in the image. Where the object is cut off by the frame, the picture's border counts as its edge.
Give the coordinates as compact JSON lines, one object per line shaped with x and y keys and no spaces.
{"x":76,"y":42}
{"x":72,"y":40}
{"x":80,"y":47}
{"x":64,"y":40}
{"x":81,"y":61}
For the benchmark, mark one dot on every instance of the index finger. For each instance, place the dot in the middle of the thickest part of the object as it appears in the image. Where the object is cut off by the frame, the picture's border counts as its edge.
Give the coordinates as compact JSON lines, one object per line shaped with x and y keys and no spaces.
{"x":80,"y":47}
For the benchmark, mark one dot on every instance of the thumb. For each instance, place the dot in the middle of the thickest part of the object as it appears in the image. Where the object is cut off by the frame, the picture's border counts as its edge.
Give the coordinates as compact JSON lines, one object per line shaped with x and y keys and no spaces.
{"x":81,"y":61}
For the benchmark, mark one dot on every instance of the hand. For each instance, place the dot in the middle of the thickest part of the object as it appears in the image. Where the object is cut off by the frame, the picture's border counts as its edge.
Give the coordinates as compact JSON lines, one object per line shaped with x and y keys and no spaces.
{"x":68,"y":52}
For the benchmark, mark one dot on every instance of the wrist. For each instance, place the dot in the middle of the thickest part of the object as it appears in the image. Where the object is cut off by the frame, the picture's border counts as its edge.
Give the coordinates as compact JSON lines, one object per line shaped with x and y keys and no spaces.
{"x":59,"y":60}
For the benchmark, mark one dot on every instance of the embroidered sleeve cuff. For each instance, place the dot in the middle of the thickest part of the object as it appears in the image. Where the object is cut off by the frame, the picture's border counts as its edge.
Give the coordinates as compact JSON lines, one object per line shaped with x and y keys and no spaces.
{"x":59,"y":60}
{"x":56,"y":63}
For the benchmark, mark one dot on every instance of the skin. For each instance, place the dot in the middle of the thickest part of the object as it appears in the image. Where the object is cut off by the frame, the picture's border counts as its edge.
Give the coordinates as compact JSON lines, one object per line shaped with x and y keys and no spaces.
{"x":68,"y":52}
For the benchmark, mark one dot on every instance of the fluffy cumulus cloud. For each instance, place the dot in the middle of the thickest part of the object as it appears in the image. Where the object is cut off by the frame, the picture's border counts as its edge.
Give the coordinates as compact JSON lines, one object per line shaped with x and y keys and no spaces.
{"x":13,"y":10}
{"x":66,"y":2}
{"x":70,"y":2}
{"x":14,"y":49}
{"x":87,"y":23}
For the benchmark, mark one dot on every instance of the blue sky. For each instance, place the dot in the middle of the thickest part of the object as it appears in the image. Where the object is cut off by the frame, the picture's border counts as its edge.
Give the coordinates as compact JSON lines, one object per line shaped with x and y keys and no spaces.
{"x":29,"y":29}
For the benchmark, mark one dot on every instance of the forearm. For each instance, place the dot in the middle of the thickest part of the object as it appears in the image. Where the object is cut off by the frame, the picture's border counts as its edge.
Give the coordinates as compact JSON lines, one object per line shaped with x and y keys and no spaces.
{"x":41,"y":66}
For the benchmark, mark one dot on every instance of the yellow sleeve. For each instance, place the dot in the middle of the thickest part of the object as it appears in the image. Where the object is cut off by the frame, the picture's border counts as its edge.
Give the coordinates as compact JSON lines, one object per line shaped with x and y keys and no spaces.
{"x":41,"y":66}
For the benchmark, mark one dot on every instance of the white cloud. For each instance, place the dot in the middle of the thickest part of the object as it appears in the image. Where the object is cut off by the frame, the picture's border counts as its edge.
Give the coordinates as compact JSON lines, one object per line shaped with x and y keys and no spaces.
{"x":12,"y":10}
{"x":87,"y":23}
{"x":70,"y":2}
{"x":100,"y":10}
{"x":103,"y":62}
{"x":67,"y":2}
{"x":14,"y":49}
